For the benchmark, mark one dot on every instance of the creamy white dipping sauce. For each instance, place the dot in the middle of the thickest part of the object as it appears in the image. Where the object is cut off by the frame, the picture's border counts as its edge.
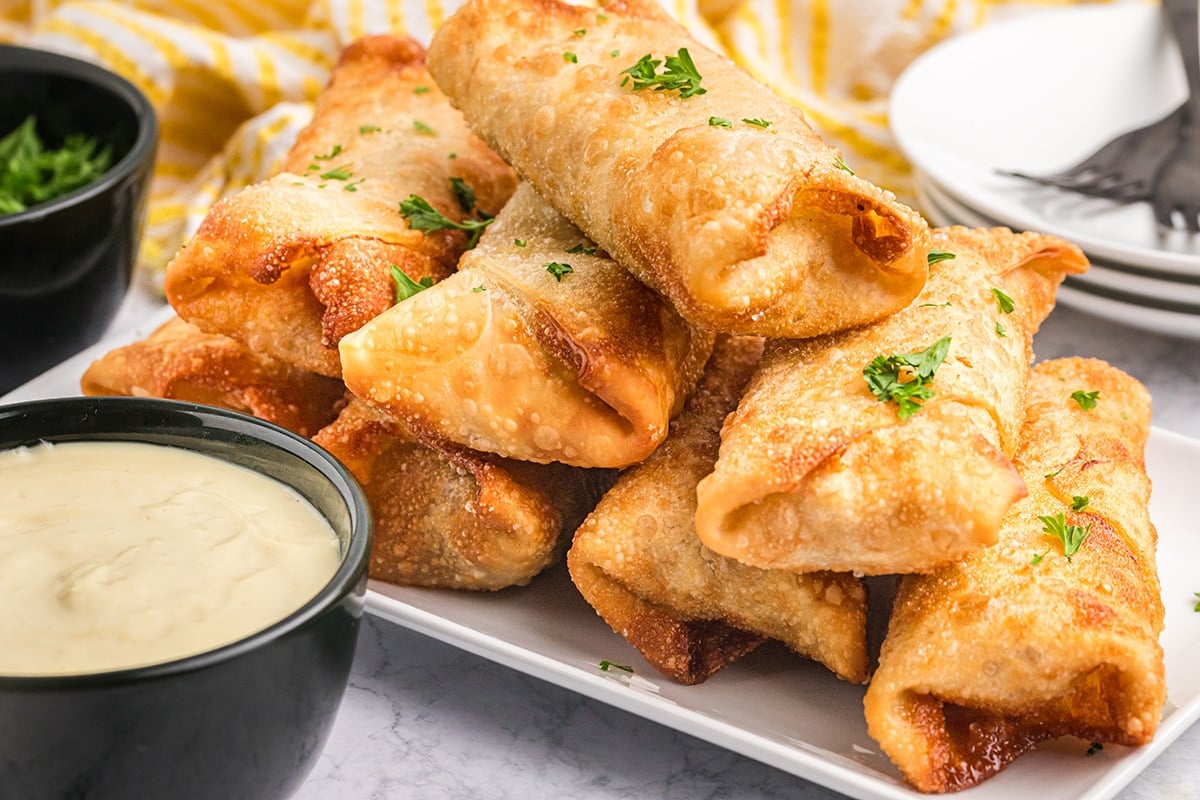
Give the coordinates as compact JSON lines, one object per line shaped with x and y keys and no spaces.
{"x":122,"y":554}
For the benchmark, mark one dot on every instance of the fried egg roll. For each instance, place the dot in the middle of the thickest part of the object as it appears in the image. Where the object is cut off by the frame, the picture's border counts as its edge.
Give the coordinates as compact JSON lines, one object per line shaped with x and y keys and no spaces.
{"x":723,"y":200}
{"x":1032,"y":639}
{"x":816,"y":473}
{"x":540,"y":348}
{"x":449,"y":517}
{"x":180,"y":362}
{"x":638,"y":562}
{"x":291,"y":265}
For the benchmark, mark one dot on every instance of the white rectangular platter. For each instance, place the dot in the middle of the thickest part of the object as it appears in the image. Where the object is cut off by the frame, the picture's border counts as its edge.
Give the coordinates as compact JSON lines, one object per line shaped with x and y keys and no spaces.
{"x":772,"y":706}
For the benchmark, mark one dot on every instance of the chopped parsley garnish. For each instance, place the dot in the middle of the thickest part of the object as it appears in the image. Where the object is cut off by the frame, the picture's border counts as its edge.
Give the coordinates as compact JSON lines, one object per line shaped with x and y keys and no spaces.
{"x":478,"y":288}
{"x":1197,"y":608}
{"x":605,"y":666}
{"x":760,"y":123}
{"x":1086,"y":400}
{"x":464,"y":194}
{"x":1079,"y":502}
{"x":614,"y":53}
{"x":337,"y":148}
{"x":365,"y":129}
{"x":937,"y":256}
{"x":571,"y":57}
{"x":679,"y":74}
{"x":519,"y":242}
{"x":719,"y":122}
{"x":1000,"y":330}
{"x":1054,"y":474}
{"x":1037,"y":557}
{"x":1003,"y":300}
{"x":905,"y":377}
{"x":558,"y":269}
{"x":422,"y":128}
{"x":580,"y":248}
{"x":352,"y":186}
{"x":581,"y":31}
{"x":406,"y":287}
{"x":840,"y":164}
{"x":420,"y":89}
{"x":423,"y":217}
{"x":934,"y":305}
{"x":1095,"y":747}
{"x":342,"y":173}
{"x":30,"y":174}
{"x":1071,"y":536}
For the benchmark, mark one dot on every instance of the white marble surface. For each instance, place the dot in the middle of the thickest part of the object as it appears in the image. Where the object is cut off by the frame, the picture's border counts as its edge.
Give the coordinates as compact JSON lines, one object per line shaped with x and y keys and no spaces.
{"x":422,"y":719}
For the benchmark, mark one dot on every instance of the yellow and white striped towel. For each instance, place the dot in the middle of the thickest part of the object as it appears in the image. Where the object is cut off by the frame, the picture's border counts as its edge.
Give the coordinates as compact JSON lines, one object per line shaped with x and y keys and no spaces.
{"x":233,"y":80}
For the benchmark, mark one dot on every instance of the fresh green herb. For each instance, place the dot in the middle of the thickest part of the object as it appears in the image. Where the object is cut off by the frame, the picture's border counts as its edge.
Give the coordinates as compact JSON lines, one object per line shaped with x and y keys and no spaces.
{"x":605,"y":666}
{"x":423,"y":217}
{"x":1000,"y":330}
{"x":761,"y":123}
{"x":1003,"y":300}
{"x":478,"y":288}
{"x":719,"y":122}
{"x":614,"y":53}
{"x":342,"y":173}
{"x":581,"y":31}
{"x":406,"y":287}
{"x":558,"y":269}
{"x":519,"y":242}
{"x":423,"y":129}
{"x":352,"y":186}
{"x":1054,"y":474}
{"x":934,"y":305}
{"x":464,"y":194}
{"x":31,"y":174}
{"x":1095,"y":747}
{"x":365,"y":129}
{"x":420,"y":89}
{"x":601,"y":17}
{"x":1037,"y":557}
{"x":1079,"y":502}
{"x":679,"y":74}
{"x":1071,"y":536}
{"x":936,"y":256}
{"x":905,"y":377}
{"x":1086,"y":400}
{"x":452,"y":155}
{"x":580,"y":248}
{"x":337,"y":148}
{"x":840,"y":164}
{"x":1197,"y":607}
{"x":571,"y":57}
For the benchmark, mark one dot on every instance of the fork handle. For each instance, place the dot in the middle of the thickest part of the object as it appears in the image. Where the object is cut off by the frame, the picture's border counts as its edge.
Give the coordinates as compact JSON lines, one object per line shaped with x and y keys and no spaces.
{"x":1183,"y":21}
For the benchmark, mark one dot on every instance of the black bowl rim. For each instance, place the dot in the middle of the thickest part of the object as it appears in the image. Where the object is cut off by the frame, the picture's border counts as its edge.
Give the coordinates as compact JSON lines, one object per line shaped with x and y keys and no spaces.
{"x":51,"y":62}
{"x":343,"y":583}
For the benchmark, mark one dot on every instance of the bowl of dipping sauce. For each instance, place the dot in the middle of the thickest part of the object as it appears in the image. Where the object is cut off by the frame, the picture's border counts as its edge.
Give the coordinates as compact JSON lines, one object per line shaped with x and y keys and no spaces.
{"x":180,"y":595}
{"x":77,"y":146}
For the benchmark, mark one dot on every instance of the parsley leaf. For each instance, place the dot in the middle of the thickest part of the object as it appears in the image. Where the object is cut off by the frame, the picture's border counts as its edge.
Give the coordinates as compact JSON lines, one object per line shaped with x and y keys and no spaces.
{"x":365,"y":129}
{"x":1197,"y":608}
{"x":905,"y":377}
{"x":1071,"y":536}
{"x":1000,"y":330}
{"x":581,"y":31}
{"x":519,"y":242}
{"x":1054,"y":474}
{"x":935,"y":305}
{"x":30,"y":174}
{"x":342,"y":173}
{"x":1079,"y":502}
{"x":937,"y":256}
{"x":1003,"y":300}
{"x":423,"y":129}
{"x":420,"y":89}
{"x":1037,"y":557}
{"x":679,"y":74}
{"x":464,"y":194}
{"x":1086,"y":400}
{"x":605,"y":666}
{"x":757,"y":122}
{"x":406,"y":287}
{"x":840,"y":164}
{"x":719,"y":122}
{"x":1095,"y":747}
{"x":423,"y":217}
{"x":337,"y":148}
{"x":571,"y":57}
{"x":580,"y":248}
{"x":558,"y":269}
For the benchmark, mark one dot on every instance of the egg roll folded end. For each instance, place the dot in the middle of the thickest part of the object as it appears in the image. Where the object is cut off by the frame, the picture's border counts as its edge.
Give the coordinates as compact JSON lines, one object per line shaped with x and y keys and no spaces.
{"x":1040,"y":635}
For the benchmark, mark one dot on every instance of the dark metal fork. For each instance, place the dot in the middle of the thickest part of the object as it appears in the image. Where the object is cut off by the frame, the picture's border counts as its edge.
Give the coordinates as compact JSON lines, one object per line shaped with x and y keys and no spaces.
{"x":1176,"y":188}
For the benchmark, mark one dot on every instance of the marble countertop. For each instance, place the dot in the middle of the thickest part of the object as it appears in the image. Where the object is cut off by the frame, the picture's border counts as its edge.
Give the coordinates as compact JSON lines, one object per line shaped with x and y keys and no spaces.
{"x":422,"y":719}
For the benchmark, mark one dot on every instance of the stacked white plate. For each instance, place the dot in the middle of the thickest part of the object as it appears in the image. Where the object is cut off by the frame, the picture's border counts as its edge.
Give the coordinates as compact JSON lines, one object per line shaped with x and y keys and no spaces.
{"x":1038,"y":94}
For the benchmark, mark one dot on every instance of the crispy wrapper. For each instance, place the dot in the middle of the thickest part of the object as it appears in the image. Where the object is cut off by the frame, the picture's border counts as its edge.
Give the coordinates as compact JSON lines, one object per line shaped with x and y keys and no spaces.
{"x":746,"y":229}
{"x":180,"y":362}
{"x":690,"y":612}
{"x":586,"y":368}
{"x":449,"y":517}
{"x":815,"y":473}
{"x":291,"y":265}
{"x":1018,"y":643}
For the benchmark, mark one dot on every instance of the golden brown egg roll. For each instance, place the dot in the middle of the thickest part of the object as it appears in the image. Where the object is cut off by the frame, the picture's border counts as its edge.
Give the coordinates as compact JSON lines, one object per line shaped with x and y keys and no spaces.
{"x":726,"y":202}
{"x":638,"y":562}
{"x":290,"y":265}
{"x":816,"y":473}
{"x":1020,"y":643}
{"x":540,"y":348}
{"x":180,"y":362}
{"x":449,"y":517}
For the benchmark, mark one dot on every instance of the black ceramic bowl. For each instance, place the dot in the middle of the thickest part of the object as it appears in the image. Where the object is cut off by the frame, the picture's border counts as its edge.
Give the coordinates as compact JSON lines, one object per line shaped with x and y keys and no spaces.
{"x":246,"y":720}
{"x":66,"y":264}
